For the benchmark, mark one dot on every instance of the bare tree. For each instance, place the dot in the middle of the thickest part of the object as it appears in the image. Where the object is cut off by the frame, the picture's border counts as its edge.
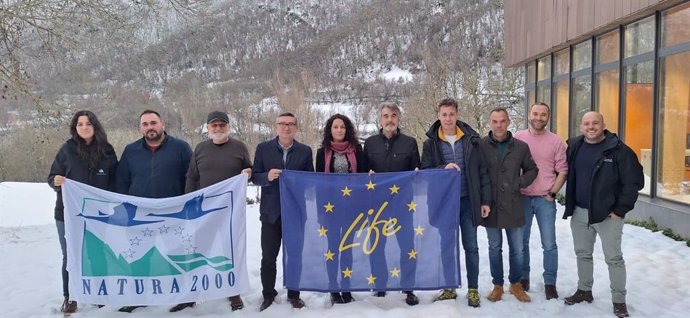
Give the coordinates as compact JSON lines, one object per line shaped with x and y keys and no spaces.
{"x":59,"y":28}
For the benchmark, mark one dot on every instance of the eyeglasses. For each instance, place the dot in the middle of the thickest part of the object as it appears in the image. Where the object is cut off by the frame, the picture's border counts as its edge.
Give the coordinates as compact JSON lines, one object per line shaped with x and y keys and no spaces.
{"x":288,"y":125}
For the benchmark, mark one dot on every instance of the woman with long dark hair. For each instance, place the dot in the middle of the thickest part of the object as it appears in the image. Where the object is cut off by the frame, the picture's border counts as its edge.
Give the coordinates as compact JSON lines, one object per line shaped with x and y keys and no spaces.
{"x":86,"y":157}
{"x":340,"y":152}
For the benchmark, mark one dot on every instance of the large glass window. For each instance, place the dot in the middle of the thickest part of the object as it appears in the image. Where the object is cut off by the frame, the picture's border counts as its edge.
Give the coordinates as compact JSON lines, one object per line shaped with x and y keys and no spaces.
{"x":639,"y":114}
{"x":639,"y":37}
{"x":674,"y":128}
{"x":560,"y":108}
{"x":674,"y":26}
{"x":582,"y":102}
{"x":544,"y":80}
{"x":561,"y":93}
{"x":607,"y":90}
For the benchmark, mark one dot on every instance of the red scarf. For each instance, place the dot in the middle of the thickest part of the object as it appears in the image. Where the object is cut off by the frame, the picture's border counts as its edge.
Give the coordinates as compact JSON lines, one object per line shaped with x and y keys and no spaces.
{"x":342,"y":147}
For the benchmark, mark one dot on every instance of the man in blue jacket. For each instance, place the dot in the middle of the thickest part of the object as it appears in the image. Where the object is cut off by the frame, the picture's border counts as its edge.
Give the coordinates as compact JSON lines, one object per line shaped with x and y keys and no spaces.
{"x":282,"y":152}
{"x":604,"y":177}
{"x":154,"y":166}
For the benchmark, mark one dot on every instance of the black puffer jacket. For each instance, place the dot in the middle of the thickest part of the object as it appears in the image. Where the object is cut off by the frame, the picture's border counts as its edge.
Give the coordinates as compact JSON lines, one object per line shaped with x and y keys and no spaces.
{"x":68,"y":164}
{"x":615,"y":181}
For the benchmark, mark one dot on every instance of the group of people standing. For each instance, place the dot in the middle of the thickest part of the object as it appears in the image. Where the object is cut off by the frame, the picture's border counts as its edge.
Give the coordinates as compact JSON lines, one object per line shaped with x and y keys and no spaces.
{"x":506,"y":181}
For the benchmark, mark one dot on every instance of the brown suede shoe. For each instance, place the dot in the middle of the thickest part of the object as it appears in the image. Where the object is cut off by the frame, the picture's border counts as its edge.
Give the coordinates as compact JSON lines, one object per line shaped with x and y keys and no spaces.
{"x":620,"y":310}
{"x":579,"y":296}
{"x":496,"y":293}
{"x":525,"y":284}
{"x":519,"y":293}
{"x":551,"y":292}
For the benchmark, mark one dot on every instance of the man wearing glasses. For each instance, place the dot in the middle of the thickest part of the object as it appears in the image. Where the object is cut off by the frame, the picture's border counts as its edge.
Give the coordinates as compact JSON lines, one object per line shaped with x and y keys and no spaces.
{"x":271,"y":157}
{"x":215,"y":160}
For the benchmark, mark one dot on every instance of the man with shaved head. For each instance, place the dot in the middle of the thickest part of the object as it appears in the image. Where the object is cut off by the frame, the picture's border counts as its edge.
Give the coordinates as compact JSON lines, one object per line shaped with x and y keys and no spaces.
{"x":604,"y":177}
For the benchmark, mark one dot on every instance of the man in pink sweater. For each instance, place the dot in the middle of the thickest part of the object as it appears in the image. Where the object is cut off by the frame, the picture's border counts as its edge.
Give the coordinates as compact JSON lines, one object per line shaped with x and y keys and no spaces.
{"x":548,"y":151}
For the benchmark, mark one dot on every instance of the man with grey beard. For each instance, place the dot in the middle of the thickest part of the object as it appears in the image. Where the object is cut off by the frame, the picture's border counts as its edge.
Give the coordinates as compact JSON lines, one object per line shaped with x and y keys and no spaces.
{"x":219,"y":158}
{"x":213,"y":161}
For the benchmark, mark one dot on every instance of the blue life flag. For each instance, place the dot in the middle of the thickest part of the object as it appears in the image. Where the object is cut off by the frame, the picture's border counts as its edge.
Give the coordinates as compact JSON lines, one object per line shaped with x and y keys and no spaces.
{"x":355,"y":232}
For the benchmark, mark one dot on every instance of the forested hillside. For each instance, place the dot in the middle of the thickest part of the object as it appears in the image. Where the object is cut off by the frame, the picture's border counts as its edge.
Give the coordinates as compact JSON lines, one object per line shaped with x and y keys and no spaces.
{"x":252,"y":60}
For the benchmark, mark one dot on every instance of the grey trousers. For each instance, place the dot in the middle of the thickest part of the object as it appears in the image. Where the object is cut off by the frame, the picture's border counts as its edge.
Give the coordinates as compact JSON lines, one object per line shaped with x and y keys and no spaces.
{"x":584,"y":236}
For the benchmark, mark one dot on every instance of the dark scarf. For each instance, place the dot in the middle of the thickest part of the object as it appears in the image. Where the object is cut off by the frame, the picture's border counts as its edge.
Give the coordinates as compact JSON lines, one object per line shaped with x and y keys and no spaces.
{"x":341,"y":148}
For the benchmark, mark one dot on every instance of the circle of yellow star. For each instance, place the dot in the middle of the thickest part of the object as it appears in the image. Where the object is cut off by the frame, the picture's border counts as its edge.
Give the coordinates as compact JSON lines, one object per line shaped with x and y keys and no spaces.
{"x":394,"y":189}
{"x":329,"y":255}
{"x":370,"y":185}
{"x":419,"y":230}
{"x":347,"y":272}
{"x":395,"y":272}
{"x":329,"y":207}
{"x":346,"y":191}
{"x":411,"y":206}
{"x":413,"y":254}
{"x":371,"y":279}
{"x":322,"y":231}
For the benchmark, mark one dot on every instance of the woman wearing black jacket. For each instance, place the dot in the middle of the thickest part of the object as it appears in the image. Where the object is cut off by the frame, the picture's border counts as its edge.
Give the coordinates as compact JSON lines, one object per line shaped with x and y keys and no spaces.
{"x":340,"y":152}
{"x":86,"y":157}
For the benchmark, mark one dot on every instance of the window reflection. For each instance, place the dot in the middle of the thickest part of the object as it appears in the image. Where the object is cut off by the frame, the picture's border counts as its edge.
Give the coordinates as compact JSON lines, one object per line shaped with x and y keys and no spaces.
{"x":639,"y":115}
{"x":674,"y":26}
{"x":582,"y":56}
{"x":560,"y":109}
{"x":561,"y":62}
{"x":639,"y":37}
{"x":544,"y":68}
{"x":674,"y":120}
{"x":607,"y":98}
{"x":582,"y":102}
{"x":608,"y":47}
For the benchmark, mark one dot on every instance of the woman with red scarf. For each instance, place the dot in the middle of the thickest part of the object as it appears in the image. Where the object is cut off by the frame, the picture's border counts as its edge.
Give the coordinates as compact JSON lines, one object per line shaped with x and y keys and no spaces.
{"x":340,"y":152}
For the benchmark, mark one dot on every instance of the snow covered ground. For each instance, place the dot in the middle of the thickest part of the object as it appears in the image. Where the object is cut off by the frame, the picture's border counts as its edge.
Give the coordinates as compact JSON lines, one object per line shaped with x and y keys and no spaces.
{"x":658,"y":275}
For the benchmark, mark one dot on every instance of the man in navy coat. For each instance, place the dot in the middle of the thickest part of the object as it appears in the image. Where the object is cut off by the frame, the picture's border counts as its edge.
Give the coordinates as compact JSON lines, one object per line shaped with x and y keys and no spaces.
{"x":282,"y":152}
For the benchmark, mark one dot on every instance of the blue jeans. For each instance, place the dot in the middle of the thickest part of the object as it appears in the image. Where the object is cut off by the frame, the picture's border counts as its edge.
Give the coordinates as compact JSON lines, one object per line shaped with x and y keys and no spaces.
{"x":468,"y":234}
{"x":545,"y":211}
{"x":514,"y":238}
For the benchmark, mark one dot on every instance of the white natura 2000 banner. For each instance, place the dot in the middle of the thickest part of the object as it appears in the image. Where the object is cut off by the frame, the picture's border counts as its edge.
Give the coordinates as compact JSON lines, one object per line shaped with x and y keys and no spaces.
{"x":125,"y":250}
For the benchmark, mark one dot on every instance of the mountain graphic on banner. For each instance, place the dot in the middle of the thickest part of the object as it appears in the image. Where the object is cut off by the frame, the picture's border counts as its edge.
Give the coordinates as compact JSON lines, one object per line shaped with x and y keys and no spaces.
{"x":100,"y":260}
